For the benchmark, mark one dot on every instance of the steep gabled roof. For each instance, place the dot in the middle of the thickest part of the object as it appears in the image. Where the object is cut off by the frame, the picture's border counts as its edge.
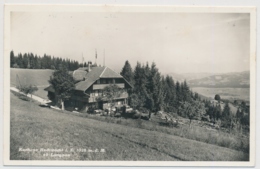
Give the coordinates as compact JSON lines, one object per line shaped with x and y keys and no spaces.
{"x":90,"y":78}
{"x":109,"y":73}
{"x":95,"y":74}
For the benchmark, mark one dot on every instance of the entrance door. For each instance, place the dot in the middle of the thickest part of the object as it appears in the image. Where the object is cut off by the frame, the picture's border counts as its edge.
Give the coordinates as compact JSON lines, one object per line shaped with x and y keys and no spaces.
{"x":100,"y":105}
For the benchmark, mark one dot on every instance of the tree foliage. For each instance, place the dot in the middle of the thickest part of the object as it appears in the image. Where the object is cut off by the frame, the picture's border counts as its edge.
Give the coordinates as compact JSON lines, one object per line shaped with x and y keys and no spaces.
{"x":226,"y":116}
{"x":193,"y":110}
{"x":153,"y":91}
{"x":217,"y":97}
{"x":28,"y":89}
{"x":63,"y":84}
{"x":110,"y":93}
{"x":127,"y":72}
{"x":33,"y":61}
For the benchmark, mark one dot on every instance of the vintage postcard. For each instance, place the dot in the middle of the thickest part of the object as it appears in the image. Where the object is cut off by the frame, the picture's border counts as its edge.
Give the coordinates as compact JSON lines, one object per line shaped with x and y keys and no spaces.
{"x":112,"y":85}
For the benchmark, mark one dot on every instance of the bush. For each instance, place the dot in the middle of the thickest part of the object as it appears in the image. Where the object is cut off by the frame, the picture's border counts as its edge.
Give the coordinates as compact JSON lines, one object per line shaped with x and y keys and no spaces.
{"x":217,"y":97}
{"x":26,"y":89}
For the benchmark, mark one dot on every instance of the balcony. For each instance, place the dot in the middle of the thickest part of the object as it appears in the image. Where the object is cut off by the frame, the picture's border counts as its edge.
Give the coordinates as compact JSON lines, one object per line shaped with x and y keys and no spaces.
{"x":102,"y":86}
{"x":92,"y":99}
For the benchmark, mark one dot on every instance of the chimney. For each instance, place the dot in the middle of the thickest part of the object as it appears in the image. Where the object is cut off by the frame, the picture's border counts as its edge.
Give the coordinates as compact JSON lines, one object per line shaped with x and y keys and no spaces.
{"x":89,"y":66}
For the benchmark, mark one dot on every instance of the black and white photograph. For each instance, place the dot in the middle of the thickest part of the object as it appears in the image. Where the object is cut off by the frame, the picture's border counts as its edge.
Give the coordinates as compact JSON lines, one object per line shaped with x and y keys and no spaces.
{"x":129,"y":85}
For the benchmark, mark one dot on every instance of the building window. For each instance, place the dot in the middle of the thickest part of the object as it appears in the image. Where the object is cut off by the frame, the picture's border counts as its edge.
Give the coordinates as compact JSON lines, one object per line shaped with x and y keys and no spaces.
{"x":96,"y":93}
{"x":98,"y":81}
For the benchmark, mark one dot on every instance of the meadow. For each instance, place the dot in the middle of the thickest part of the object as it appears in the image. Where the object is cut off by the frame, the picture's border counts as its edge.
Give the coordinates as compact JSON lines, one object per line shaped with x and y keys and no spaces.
{"x":35,"y":127}
{"x":38,"y":77}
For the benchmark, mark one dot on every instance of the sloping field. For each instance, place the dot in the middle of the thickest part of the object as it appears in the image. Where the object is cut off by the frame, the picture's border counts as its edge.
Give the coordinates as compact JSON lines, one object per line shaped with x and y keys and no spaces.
{"x":34,"y":127}
{"x":38,"y":77}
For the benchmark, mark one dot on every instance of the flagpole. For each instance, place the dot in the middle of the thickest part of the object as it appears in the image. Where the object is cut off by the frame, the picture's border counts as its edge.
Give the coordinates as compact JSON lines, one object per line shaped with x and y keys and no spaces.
{"x":82,"y":60}
{"x":104,"y":57}
{"x":96,"y":58}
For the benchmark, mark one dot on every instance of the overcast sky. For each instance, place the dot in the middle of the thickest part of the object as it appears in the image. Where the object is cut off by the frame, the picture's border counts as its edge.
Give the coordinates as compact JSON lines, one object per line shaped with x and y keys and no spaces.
{"x":176,"y":42}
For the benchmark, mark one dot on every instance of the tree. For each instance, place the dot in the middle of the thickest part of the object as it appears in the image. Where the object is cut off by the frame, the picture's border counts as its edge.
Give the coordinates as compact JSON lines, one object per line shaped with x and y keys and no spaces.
{"x":226,"y":111}
{"x":186,"y":92}
{"x":20,"y":60}
{"x":196,"y":96}
{"x":24,"y":89}
{"x":239,"y":115}
{"x":140,"y":80}
{"x":12,"y":59}
{"x":217,"y":97}
{"x":154,"y":88}
{"x":32,"y":89}
{"x":28,"y":89}
{"x":63,"y":84}
{"x":218,"y":112}
{"x":178,"y":92}
{"x":134,"y":101}
{"x":127,"y":73}
{"x":226,"y":116}
{"x":25,"y":61}
{"x":110,"y":93}
{"x":169,"y":94}
{"x":193,"y":109}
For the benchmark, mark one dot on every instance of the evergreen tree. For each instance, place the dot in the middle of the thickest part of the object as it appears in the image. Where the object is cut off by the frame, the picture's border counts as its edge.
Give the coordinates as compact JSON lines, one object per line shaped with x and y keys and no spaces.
{"x":25,"y":61}
{"x":155,"y":88}
{"x":20,"y":60}
{"x":169,"y":94}
{"x":127,"y":73}
{"x":178,"y":93}
{"x":218,"y":112}
{"x":31,"y":61}
{"x":140,"y":84}
{"x":186,"y":92}
{"x":196,"y":96}
{"x":226,"y":116}
{"x":12,"y":59}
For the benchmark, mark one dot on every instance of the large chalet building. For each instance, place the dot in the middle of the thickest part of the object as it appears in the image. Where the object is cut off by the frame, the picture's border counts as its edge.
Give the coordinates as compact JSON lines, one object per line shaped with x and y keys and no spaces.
{"x":89,"y":84}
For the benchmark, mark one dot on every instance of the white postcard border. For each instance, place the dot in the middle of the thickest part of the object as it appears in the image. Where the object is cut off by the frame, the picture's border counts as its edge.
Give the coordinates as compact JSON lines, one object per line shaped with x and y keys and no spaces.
{"x":132,"y":8}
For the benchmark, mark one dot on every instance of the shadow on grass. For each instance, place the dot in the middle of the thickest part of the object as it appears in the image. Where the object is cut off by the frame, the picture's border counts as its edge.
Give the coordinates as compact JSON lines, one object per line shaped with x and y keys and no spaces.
{"x":21,"y":96}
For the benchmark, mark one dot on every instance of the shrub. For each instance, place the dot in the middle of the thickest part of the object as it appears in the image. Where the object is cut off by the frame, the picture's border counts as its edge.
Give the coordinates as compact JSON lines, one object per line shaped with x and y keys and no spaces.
{"x":27,"y":89}
{"x":217,"y":97}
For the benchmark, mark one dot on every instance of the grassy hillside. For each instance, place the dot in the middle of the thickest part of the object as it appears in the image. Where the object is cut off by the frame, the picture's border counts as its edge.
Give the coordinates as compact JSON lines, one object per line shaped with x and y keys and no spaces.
{"x":38,"y":77}
{"x":35,"y":127}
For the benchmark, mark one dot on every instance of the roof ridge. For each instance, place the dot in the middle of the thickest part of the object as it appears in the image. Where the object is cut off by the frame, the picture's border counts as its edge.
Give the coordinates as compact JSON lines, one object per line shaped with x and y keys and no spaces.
{"x":116,"y":72}
{"x":103,"y":72}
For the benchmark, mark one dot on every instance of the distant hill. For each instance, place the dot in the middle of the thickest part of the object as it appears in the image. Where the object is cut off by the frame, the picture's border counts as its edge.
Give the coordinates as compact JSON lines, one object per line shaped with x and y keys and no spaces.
{"x":232,"y":80}
{"x":188,"y":76}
